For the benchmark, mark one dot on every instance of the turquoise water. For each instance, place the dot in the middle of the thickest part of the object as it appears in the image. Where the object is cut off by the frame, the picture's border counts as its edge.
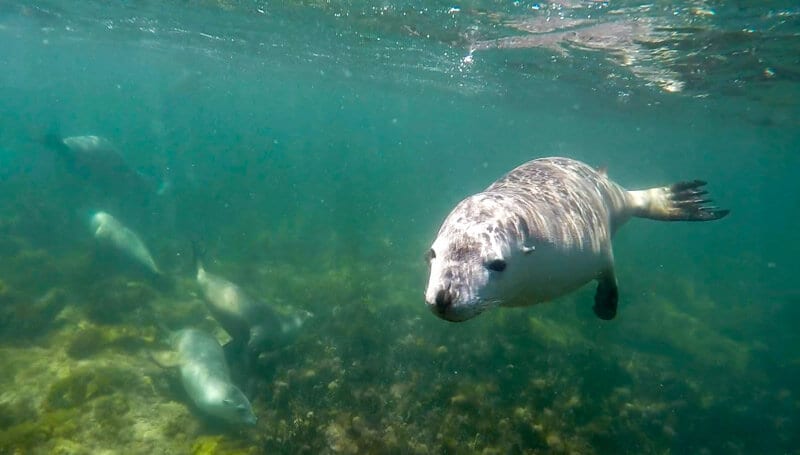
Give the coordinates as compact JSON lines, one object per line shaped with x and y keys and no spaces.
{"x":315,"y":148}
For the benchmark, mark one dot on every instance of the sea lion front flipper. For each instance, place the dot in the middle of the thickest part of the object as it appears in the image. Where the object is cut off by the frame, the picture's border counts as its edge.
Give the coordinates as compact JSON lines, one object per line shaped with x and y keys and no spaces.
{"x":607,"y":296}
{"x":236,"y":353}
{"x":165,"y":359}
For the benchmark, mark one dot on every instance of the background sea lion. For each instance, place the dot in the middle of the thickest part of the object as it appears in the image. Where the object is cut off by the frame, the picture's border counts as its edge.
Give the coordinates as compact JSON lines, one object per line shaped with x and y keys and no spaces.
{"x":95,"y":173}
{"x":205,"y":376}
{"x":97,"y":160}
{"x":541,"y":231}
{"x":251,"y":323}
{"x":110,"y":231}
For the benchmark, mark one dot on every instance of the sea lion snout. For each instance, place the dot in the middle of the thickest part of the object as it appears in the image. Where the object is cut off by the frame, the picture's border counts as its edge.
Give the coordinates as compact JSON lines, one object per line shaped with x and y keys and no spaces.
{"x":444,"y":300}
{"x":445,"y":304}
{"x":440,"y":301}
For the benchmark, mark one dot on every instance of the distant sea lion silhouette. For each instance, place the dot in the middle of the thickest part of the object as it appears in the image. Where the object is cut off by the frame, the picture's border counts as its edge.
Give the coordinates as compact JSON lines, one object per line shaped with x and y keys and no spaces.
{"x":542,"y":231}
{"x":96,"y":159}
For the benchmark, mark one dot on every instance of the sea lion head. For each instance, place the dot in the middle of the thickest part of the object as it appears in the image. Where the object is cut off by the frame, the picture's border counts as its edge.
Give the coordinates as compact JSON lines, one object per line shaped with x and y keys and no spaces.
{"x":227,"y":402}
{"x":98,"y":219}
{"x":88,"y":144}
{"x":468,"y":260}
{"x":100,"y":223}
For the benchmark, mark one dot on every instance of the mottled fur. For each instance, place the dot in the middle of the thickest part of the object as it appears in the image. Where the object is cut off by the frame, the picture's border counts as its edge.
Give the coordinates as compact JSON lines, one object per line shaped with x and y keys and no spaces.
{"x":549,"y":224}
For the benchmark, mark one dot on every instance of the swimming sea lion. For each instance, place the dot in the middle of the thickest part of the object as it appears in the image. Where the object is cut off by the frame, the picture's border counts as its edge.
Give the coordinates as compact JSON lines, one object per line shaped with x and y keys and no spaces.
{"x":250,"y":323}
{"x":206,"y":378}
{"x":96,"y":159}
{"x":541,"y":231}
{"x":110,"y":231}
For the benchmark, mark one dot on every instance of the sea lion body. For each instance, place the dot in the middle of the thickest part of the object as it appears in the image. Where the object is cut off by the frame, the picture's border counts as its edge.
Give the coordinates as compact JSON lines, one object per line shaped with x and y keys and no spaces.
{"x":542,"y":231}
{"x":95,"y":158}
{"x":249,"y":322}
{"x":206,"y":378}
{"x":110,"y":231}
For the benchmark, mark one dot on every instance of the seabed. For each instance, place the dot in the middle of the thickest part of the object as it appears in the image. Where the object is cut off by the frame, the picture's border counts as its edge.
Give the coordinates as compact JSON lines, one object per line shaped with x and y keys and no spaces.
{"x":372,"y":371}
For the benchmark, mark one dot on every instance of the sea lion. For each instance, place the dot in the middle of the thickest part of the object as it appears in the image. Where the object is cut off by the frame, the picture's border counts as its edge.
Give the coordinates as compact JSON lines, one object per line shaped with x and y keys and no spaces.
{"x":110,"y":231}
{"x":96,"y":159}
{"x":542,"y":231}
{"x":250,"y":323}
{"x":205,"y":376}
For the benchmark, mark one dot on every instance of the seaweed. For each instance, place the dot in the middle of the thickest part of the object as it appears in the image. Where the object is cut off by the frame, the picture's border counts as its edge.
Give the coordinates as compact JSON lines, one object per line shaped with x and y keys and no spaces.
{"x":373,"y":372}
{"x":23,"y":318}
{"x":220,"y":445}
{"x":84,"y":384}
{"x":91,"y":339}
{"x":117,"y":300}
{"x":33,"y":434}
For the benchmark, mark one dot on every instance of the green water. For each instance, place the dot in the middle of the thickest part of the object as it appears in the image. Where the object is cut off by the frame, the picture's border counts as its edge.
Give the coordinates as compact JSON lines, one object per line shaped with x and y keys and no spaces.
{"x":314,"y":149}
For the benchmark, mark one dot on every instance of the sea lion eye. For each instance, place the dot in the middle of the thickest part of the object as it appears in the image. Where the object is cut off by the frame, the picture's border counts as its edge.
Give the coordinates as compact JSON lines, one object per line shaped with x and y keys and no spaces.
{"x":496,"y":265}
{"x":429,"y":255}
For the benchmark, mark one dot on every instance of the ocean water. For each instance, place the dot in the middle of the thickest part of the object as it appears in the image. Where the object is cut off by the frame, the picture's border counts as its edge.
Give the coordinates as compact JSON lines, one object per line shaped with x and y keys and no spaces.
{"x":314,"y":148}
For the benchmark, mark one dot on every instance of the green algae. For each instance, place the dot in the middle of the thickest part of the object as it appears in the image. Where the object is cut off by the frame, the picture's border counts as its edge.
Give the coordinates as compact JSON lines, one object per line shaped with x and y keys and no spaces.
{"x":34,"y":269}
{"x":372,"y":372}
{"x":32,"y":434}
{"x":117,"y":300}
{"x":84,"y":384}
{"x":87,"y":342}
{"x":220,"y":445}
{"x":23,"y":318}
{"x":668,"y":327}
{"x":552,"y":332}
{"x":13,"y":413}
{"x":92,"y":339}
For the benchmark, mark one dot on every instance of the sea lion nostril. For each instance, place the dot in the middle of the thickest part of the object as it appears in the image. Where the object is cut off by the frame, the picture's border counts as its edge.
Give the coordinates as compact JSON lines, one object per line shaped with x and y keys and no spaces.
{"x":443,"y":300}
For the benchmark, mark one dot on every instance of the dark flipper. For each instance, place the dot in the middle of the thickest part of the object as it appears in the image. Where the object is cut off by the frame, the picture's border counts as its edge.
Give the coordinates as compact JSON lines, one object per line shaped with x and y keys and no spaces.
{"x":241,"y":362}
{"x":198,"y":252}
{"x":682,"y":201}
{"x":237,"y":355}
{"x":606,"y":297}
{"x":688,"y":202}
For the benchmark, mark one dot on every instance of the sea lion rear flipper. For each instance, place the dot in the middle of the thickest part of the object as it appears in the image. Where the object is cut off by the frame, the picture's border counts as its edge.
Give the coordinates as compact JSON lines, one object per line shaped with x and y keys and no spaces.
{"x":198,"y":252}
{"x":607,"y":296}
{"x":682,"y":201}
